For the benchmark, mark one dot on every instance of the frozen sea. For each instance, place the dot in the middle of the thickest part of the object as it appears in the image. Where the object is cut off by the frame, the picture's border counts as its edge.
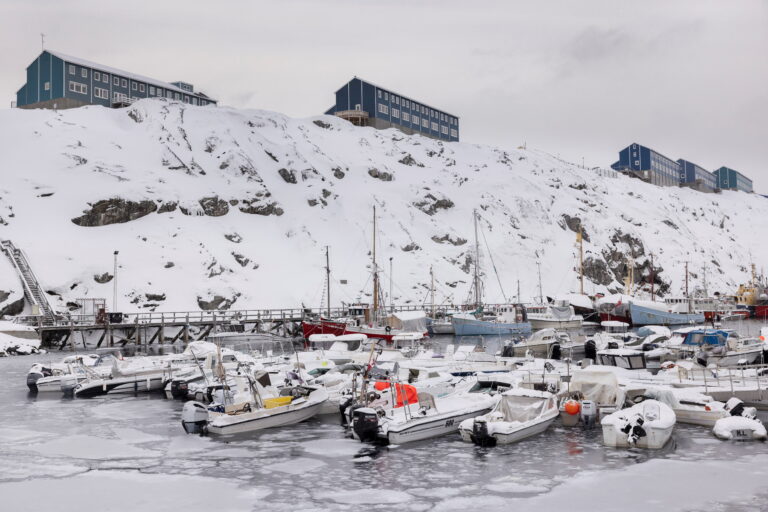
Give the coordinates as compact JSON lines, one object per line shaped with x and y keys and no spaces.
{"x":129,"y":453}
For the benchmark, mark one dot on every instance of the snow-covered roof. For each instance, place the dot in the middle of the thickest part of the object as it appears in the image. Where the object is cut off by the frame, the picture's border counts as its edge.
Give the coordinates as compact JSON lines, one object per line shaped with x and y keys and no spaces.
{"x":114,"y":71}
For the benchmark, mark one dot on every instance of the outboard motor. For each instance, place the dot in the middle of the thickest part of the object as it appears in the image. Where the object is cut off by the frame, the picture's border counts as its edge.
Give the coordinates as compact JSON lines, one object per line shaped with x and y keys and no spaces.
{"x":702,"y":357}
{"x":634,"y":429}
{"x":365,"y":424}
{"x":480,"y":434}
{"x":179,"y":389}
{"x":588,"y":413}
{"x":509,"y":350}
{"x":194,"y":418}
{"x":344,"y":403}
{"x":32,"y":379}
{"x":612,"y":344}
{"x":735,"y":406}
{"x":590,"y":350}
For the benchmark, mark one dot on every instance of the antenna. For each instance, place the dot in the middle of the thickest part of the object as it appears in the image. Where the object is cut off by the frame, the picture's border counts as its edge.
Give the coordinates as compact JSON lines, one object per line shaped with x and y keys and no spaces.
{"x":42,"y":41}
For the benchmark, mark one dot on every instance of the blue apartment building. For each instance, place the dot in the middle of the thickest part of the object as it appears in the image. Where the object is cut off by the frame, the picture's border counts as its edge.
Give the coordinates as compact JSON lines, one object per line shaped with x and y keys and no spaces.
{"x":730,"y":179}
{"x":56,"y":80}
{"x":648,"y":165}
{"x":366,"y":104}
{"x":695,"y":176}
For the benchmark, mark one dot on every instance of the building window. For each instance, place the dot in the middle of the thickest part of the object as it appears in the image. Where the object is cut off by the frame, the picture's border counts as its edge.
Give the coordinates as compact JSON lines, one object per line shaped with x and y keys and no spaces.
{"x":71,"y":69}
{"x":141,"y":87}
{"x":115,"y":80}
{"x":168,"y":94}
{"x":386,"y":96}
{"x":105,"y":78}
{"x":415,"y":119}
{"x":637,"y":163}
{"x":124,"y":83}
{"x":383,"y":108}
{"x":395,"y":113}
{"x":101,"y":93}
{"x":186,"y":99}
{"x":78,"y":87}
{"x":84,"y":73}
{"x":194,"y":101}
{"x":379,"y":94}
{"x":134,"y":85}
{"x":47,"y":86}
{"x":454,"y":134}
{"x":435,"y":128}
{"x":151,"y":90}
{"x":406,"y":117}
{"x":425,"y":123}
{"x":176,"y":96}
{"x":97,"y":76}
{"x":444,"y":130}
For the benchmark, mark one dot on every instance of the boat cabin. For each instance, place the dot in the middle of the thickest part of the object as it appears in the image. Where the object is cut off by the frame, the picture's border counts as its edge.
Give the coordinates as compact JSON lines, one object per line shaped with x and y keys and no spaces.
{"x":622,"y":358}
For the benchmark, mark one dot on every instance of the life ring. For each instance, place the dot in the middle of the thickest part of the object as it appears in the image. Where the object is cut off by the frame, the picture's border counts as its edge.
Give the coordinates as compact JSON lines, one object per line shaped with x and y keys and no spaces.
{"x":388,"y":329}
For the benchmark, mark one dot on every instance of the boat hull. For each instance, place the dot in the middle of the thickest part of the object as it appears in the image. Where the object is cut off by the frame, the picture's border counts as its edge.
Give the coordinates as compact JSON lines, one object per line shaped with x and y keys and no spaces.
{"x":551,"y":323}
{"x":251,"y":422}
{"x":473,"y":327}
{"x":516,"y":435}
{"x":428,"y":428}
{"x":135,"y":384}
{"x":654,"y":439}
{"x":648,"y":316}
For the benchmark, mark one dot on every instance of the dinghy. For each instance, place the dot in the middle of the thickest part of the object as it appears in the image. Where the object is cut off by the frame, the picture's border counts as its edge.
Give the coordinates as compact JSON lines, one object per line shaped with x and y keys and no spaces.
{"x":741,"y":425}
{"x":648,"y":424}
{"x":519,"y":414}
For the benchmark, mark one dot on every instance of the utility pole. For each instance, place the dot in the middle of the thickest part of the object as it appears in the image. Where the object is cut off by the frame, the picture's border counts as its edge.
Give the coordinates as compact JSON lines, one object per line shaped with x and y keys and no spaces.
{"x":42,"y":41}
{"x":580,"y":238}
{"x":114,"y":285}
{"x":478,"y":298}
{"x":328,"y":280}
{"x":653,"y":280}
{"x":518,"y":292}
{"x":432,"y":290}
{"x":375,"y":272}
{"x":541,"y":293}
{"x":391,"y":299}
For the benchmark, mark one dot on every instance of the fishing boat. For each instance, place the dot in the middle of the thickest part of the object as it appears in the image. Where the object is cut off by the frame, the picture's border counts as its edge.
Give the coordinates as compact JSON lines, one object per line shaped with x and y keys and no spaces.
{"x":648,"y":424}
{"x":643,"y":315}
{"x":559,"y":315}
{"x":519,"y":414}
{"x":505,"y":320}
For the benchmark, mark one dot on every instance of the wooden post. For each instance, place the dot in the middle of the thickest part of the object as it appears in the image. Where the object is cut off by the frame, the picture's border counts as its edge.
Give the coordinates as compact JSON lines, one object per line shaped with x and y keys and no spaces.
{"x":111,"y":337}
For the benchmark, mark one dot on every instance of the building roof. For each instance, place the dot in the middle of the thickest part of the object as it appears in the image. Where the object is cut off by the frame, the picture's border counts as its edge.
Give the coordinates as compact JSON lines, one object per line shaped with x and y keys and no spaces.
{"x":115,"y":71}
{"x":410,"y":98}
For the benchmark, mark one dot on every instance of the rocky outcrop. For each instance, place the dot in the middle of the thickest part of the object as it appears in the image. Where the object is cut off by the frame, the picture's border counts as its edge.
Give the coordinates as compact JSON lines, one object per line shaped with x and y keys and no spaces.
{"x":338,"y":173}
{"x":114,"y":211}
{"x":215,"y":303}
{"x":168,"y":207}
{"x":379,"y":175}
{"x":321,"y":124}
{"x":14,"y":308}
{"x":430,"y":204}
{"x":155,"y":297}
{"x":233,"y":237}
{"x":103,"y":278}
{"x":288,"y":176}
{"x":240,"y":259}
{"x":214,"y":207}
{"x":4,"y":296}
{"x":411,"y":247}
{"x":574,"y":223}
{"x":597,"y":271}
{"x":447,"y":239}
{"x":409,"y":160}
{"x":256,"y":207}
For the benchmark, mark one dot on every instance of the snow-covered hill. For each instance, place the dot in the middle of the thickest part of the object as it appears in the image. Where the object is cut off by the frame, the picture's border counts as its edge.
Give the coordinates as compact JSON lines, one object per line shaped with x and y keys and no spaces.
{"x":233,"y":208}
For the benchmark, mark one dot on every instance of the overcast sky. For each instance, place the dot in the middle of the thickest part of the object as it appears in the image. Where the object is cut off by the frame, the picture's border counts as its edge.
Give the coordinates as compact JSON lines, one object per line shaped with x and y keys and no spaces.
{"x":581,"y":79}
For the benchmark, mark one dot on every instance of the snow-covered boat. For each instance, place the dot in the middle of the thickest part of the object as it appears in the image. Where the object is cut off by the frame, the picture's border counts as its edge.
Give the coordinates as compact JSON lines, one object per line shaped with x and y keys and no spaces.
{"x":560,"y":315}
{"x":648,"y":424}
{"x":519,"y":414}
{"x":596,"y":393}
{"x":427,"y":418}
{"x":723,"y":347}
{"x":266,"y":409}
{"x":139,"y":382}
{"x":509,"y":319}
{"x":643,"y":315}
{"x":741,"y":424}
{"x":548,"y":343}
{"x":689,"y":406}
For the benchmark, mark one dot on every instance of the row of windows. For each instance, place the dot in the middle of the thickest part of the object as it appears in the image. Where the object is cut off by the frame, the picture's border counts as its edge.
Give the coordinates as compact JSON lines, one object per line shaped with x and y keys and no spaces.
{"x":415,"y":107}
{"x":101,"y":93}
{"x":425,"y":123}
{"x":78,"y":88}
{"x":135,"y":86}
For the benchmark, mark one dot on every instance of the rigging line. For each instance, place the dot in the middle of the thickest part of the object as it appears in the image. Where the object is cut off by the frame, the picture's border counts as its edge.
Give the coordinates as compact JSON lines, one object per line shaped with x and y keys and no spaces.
{"x":493,"y":264}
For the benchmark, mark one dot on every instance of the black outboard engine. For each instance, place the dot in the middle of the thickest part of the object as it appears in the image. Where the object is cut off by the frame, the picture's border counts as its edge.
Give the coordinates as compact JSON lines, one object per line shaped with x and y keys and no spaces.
{"x":365,"y":424}
{"x":179,"y":389}
{"x":556,"y":352}
{"x":344,"y":403}
{"x":480,"y":434}
{"x":590,"y":350}
{"x":509,"y":350}
{"x":702,"y":357}
{"x":634,"y":429}
{"x":32,"y":379}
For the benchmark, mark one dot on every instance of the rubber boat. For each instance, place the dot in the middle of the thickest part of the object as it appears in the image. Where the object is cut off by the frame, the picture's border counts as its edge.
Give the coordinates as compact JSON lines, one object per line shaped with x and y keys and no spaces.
{"x":741,"y":424}
{"x":519,"y":414}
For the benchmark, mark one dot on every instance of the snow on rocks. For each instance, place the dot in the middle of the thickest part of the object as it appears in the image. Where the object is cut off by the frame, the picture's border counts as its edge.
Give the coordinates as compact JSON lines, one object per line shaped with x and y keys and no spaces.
{"x":165,"y":182}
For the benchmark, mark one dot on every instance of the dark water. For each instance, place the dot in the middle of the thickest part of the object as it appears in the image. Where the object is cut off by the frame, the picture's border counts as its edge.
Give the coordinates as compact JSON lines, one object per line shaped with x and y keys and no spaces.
{"x":130,"y":453}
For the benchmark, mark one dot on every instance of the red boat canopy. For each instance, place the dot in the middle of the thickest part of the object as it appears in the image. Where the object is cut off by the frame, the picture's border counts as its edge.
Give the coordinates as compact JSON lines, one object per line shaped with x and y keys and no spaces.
{"x":411,"y":395}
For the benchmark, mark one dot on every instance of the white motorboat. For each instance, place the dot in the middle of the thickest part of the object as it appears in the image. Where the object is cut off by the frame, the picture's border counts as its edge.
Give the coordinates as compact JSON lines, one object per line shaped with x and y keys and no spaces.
{"x":267,"y":410}
{"x":549,"y":343}
{"x":689,"y":406}
{"x":42,"y":377}
{"x":429,"y":417}
{"x":559,"y":314}
{"x":741,"y":424}
{"x":519,"y":414}
{"x":138,"y":382}
{"x":343,"y":349}
{"x":648,"y":424}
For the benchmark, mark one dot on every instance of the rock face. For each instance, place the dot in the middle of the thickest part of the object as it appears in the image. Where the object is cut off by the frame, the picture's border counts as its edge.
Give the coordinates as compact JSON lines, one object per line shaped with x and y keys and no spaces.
{"x":217,"y":302}
{"x":214,"y":207}
{"x":114,"y":211}
{"x":102,"y":278}
{"x":257,"y":207}
{"x":288,"y":176}
{"x":14,"y":308}
{"x":379,"y":175}
{"x":447,"y":239}
{"x":431,"y":204}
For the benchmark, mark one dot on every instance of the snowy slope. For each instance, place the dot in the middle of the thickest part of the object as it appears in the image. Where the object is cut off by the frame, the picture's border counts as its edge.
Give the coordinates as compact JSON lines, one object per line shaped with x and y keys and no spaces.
{"x":240,"y":204}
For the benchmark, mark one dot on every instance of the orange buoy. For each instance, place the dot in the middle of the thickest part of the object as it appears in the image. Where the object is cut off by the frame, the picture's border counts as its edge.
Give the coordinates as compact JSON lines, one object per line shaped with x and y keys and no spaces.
{"x":572,"y":407}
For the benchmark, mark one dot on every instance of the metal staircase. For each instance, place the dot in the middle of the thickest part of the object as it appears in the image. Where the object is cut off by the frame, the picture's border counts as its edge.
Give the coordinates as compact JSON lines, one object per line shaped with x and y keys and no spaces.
{"x":33,"y":293}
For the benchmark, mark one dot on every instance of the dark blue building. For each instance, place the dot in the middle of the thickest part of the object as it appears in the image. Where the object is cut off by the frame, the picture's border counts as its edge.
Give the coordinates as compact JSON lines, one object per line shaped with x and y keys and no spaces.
{"x":367,"y":104}
{"x":648,"y":165}
{"x":730,"y":179}
{"x":695,"y":176}
{"x":55,"y":80}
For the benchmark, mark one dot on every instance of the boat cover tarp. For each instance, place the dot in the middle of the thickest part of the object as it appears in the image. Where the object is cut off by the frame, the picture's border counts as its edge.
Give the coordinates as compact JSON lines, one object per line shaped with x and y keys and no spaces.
{"x":415,"y":321}
{"x":520,"y":408}
{"x":403,"y":393}
{"x":602,"y":387}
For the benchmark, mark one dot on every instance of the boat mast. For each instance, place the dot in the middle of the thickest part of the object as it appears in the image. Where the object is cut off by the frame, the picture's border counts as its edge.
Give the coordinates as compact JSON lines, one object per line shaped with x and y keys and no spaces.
{"x":580,"y":239}
{"x":541,"y":293}
{"x":391,"y":300}
{"x":653,"y":279}
{"x":477,"y":264}
{"x":687,"y":297}
{"x":432,"y":290}
{"x":375,"y":272}
{"x":328,"y":280}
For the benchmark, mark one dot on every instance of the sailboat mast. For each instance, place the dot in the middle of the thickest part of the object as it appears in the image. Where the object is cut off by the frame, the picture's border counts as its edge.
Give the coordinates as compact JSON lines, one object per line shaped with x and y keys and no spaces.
{"x":687,"y":297}
{"x":432,"y":290}
{"x":581,"y":262}
{"x":653,"y":280}
{"x":328,"y":280}
{"x":541,"y":292}
{"x":477,"y":264}
{"x":375,"y":272}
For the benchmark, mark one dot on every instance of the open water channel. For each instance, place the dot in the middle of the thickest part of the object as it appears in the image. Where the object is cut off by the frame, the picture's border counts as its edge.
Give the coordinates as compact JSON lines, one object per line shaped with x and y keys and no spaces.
{"x":129,"y":453}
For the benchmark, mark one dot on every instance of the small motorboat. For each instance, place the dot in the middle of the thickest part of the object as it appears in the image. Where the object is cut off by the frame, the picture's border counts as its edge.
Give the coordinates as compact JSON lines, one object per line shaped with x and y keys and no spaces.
{"x":741,"y":425}
{"x":266,"y":407}
{"x":559,"y":314}
{"x":689,"y":406}
{"x":519,"y":414}
{"x":648,"y":424}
